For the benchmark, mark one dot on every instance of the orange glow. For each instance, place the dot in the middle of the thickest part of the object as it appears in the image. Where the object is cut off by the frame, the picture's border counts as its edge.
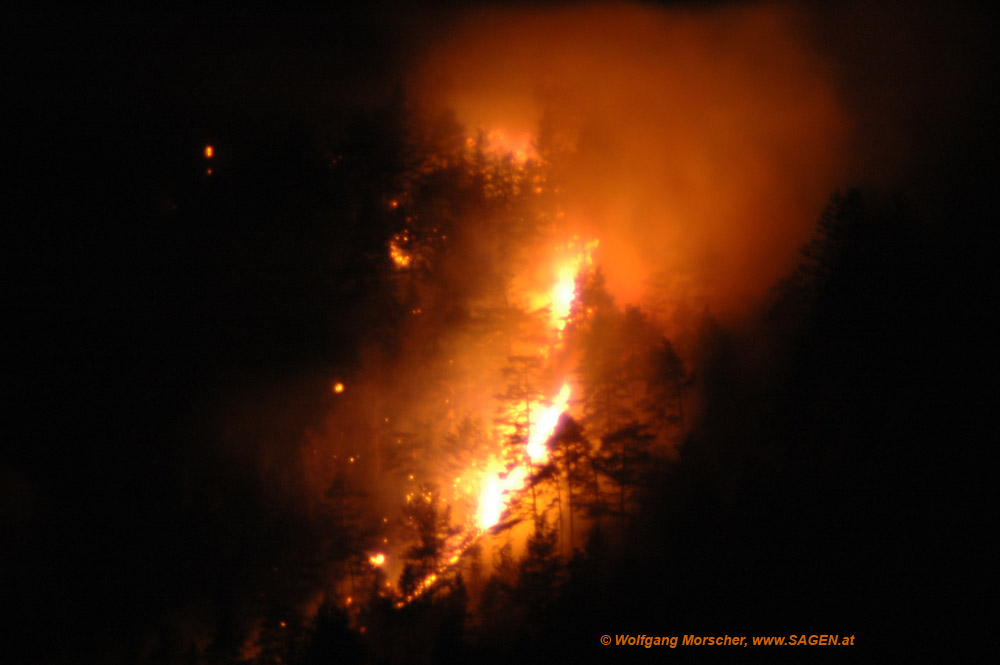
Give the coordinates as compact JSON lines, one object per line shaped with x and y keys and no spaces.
{"x":562,"y":296}
{"x":698,"y":205}
{"x":209,"y":152}
{"x":518,"y":147}
{"x":712,"y":197}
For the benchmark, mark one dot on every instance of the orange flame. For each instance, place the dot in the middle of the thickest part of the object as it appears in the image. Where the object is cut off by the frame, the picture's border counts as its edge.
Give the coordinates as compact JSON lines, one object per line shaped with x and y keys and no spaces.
{"x":496,"y":487}
{"x":559,"y":299}
{"x":546,"y":425}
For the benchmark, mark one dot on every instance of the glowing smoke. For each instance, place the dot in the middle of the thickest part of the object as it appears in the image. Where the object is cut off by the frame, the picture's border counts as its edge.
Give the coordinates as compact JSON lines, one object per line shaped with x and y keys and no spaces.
{"x":703,"y":143}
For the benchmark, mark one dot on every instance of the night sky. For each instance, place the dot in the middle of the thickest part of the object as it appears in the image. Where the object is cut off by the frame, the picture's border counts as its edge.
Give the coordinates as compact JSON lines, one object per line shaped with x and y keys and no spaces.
{"x":157,"y":314}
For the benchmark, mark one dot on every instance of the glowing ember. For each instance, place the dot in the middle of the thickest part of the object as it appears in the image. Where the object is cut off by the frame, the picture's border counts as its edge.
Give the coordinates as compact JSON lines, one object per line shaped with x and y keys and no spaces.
{"x":397,"y":250}
{"x":377,"y":559}
{"x":338,"y":387}
{"x":209,"y":152}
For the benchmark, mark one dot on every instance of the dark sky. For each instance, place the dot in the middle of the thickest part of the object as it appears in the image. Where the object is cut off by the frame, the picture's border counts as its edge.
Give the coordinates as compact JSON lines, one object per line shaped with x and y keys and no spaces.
{"x":129,"y":321}
{"x":137,"y":298}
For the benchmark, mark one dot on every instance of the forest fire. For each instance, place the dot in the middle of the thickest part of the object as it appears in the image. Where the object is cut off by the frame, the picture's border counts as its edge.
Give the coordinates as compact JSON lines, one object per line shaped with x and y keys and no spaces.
{"x":501,"y":485}
{"x":526,"y":402}
{"x":319,"y":358}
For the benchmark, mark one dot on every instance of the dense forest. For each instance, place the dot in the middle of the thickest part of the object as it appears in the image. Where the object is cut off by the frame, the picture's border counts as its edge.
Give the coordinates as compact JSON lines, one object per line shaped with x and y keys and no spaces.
{"x":300,"y":395}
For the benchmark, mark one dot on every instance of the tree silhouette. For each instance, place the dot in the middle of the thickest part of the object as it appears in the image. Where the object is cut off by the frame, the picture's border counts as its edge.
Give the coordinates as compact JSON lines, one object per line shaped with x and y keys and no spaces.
{"x":330,"y":636}
{"x":625,"y":459}
{"x":572,"y":455}
{"x":668,"y":382}
{"x":428,"y":522}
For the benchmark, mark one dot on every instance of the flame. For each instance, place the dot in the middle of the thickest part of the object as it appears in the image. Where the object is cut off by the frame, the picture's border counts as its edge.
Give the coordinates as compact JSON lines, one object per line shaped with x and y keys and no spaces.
{"x":563,"y":295}
{"x":496,"y":486}
{"x":573,"y":256}
{"x":546,"y":425}
{"x":497,"y":483}
{"x":209,"y":152}
{"x":377,"y":559}
{"x":338,"y":387}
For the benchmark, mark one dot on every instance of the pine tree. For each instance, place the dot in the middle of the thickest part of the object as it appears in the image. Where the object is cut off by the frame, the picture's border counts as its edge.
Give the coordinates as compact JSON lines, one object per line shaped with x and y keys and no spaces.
{"x":428,"y":522}
{"x":625,"y":459}
{"x":572,"y":454}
